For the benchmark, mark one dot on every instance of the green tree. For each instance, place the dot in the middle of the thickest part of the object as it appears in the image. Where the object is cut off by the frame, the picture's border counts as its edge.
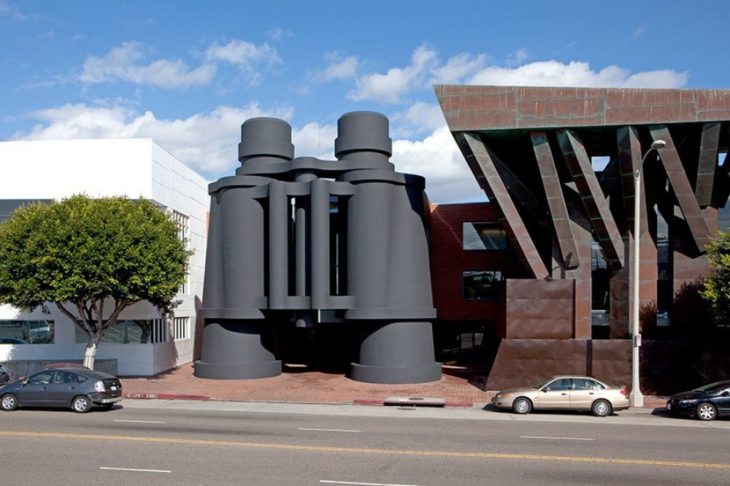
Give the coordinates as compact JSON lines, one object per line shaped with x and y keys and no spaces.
{"x":717,"y":286}
{"x":92,"y":258}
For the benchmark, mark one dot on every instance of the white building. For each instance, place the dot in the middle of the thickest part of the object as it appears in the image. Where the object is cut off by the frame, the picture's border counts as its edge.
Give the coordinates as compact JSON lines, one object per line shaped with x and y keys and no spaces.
{"x":142,"y":343}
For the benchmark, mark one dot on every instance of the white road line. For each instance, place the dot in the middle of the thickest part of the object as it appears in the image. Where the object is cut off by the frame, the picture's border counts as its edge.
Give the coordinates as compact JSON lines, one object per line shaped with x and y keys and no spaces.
{"x":325,"y":481}
{"x":141,"y":421}
{"x":134,"y":470}
{"x":331,"y":430}
{"x":554,"y":438}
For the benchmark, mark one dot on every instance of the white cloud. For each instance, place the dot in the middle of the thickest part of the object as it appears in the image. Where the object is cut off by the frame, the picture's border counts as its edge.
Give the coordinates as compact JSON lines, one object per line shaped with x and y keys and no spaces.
{"x":244,"y":55}
{"x":639,"y":31}
{"x":338,"y":67}
{"x":315,"y":140}
{"x":457,"y":68}
{"x":517,"y":57}
{"x":438,"y":159}
{"x":11,"y":11}
{"x":579,"y":74}
{"x":278,"y":34}
{"x":391,"y":86}
{"x":207,"y":142}
{"x":419,"y":117}
{"x":127,"y":63}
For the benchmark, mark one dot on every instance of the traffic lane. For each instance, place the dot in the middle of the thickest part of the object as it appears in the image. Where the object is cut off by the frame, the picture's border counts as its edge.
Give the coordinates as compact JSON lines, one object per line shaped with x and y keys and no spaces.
{"x":117,"y":460}
{"x":650,"y":443}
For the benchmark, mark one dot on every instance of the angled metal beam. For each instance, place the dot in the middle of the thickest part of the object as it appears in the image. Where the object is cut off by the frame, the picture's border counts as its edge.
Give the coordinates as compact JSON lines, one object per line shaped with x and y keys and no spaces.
{"x":556,"y":202}
{"x":707,"y":163}
{"x":629,"y":155}
{"x":681,"y":187}
{"x":594,"y":202}
{"x":482,"y":165}
{"x":521,"y":193}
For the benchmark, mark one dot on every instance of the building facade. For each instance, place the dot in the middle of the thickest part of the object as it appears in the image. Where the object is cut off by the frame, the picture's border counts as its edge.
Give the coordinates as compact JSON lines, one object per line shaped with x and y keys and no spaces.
{"x":142,"y":343}
{"x":558,"y":165}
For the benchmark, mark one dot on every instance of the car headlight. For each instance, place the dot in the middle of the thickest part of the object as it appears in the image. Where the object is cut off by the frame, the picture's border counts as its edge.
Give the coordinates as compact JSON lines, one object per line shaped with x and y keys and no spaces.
{"x":688,"y":401}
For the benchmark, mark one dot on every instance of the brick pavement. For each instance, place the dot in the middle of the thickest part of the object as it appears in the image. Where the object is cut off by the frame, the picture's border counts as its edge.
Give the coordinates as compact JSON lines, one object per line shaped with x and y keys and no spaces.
{"x":458,"y":387}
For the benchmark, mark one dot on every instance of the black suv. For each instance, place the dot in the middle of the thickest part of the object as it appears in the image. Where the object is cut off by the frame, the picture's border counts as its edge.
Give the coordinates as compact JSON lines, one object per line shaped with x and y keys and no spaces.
{"x":80,"y":389}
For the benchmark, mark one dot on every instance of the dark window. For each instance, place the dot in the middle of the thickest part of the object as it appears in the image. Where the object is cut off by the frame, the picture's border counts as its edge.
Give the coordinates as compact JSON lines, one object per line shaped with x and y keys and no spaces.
{"x":560,"y":385}
{"x":42,"y":378}
{"x":66,"y":377}
{"x":586,"y":384}
{"x":482,"y":284}
{"x":137,"y":331}
{"x":483,"y":236}
{"x":21,"y":331}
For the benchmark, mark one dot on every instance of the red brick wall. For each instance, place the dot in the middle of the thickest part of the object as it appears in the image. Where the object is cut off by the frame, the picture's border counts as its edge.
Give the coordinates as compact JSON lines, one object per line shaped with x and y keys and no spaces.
{"x":449,"y":261}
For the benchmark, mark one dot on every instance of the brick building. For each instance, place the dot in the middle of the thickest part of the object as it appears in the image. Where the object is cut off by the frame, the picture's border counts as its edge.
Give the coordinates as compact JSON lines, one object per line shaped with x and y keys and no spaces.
{"x":549,"y":292}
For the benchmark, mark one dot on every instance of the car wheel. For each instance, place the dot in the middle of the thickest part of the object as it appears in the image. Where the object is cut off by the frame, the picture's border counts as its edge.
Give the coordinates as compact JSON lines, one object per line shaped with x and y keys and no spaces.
{"x":601,"y":408}
{"x":9,"y":402}
{"x":522,"y":406}
{"x":81,"y":404}
{"x":706,"y":411}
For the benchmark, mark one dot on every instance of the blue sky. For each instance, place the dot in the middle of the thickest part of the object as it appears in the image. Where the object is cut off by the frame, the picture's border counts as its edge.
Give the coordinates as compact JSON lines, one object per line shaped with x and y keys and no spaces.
{"x":188,"y":73}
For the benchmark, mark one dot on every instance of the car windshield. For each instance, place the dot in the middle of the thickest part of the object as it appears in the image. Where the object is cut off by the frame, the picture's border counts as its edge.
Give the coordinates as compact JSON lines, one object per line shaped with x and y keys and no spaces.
{"x":543,"y":383}
{"x":714,"y":387}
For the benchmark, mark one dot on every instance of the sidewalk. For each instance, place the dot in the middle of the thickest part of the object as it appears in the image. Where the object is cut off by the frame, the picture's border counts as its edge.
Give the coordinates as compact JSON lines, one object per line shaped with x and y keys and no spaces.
{"x":457,"y":386}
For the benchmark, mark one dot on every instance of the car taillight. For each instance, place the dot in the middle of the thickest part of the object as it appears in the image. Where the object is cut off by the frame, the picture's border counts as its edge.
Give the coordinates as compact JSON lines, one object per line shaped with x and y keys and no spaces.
{"x":99,"y":386}
{"x":625,"y":392}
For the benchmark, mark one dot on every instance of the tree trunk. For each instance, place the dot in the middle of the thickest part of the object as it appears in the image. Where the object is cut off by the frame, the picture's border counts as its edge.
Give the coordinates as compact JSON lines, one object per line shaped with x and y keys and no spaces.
{"x":90,"y":353}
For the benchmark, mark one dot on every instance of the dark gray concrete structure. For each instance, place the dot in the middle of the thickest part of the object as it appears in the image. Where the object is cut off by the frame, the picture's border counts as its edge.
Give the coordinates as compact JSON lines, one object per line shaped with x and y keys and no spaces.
{"x":303,"y":241}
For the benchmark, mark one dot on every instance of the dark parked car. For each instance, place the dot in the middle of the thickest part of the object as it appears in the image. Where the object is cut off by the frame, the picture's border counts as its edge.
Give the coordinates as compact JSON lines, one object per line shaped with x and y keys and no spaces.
{"x":705,"y":403}
{"x":4,"y":376}
{"x":80,"y":389}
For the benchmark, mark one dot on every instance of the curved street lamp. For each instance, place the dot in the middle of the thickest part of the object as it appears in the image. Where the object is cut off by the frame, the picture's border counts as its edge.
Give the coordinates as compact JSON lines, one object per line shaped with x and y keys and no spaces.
{"x":637,"y":398}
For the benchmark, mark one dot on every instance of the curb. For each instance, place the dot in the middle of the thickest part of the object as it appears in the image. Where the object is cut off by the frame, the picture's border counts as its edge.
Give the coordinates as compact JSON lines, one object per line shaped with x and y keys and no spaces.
{"x":164,"y":396}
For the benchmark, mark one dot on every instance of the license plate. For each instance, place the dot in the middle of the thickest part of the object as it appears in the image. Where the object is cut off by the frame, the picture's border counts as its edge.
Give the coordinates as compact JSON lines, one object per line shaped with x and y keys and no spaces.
{"x":114,"y":388}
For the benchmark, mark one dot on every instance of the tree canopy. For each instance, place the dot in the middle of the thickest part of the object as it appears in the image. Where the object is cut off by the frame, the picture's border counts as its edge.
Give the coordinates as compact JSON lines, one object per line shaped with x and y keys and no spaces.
{"x":85,"y":254}
{"x":717,"y":285}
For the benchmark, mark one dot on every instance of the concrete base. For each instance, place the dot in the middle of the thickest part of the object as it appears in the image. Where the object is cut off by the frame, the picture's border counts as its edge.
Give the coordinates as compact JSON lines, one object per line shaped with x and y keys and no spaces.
{"x":396,"y":353}
{"x":389,"y":375}
{"x":237,"y":349}
{"x":237,"y":371}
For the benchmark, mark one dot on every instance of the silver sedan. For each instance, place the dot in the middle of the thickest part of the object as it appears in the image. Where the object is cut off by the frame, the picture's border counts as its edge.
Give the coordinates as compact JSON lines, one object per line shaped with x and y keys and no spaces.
{"x":565,"y":393}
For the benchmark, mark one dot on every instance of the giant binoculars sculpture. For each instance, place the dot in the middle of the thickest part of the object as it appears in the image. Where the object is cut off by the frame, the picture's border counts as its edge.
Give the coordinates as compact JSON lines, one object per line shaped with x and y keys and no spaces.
{"x":293,"y":238}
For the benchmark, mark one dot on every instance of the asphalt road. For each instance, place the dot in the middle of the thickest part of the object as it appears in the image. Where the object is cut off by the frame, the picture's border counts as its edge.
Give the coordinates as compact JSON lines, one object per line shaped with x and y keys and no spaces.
{"x":200,"y":443}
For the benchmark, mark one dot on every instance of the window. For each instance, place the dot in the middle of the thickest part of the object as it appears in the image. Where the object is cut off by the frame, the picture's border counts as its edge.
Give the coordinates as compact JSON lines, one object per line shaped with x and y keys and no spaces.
{"x":483,"y":236}
{"x":131,"y":331}
{"x":560,"y":385}
{"x":183,"y":233}
{"x":181,"y":328}
{"x":482,"y":285}
{"x":586,"y":384}
{"x":600,"y":286}
{"x":43,"y":378}
{"x":26,"y":332}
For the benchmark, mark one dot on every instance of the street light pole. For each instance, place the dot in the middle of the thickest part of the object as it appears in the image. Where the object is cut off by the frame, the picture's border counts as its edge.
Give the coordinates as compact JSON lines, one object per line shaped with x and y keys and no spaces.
{"x":637,"y":398}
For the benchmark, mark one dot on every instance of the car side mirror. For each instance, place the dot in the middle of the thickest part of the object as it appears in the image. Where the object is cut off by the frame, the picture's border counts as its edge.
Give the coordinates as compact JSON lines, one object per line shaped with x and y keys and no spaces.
{"x":545,"y":390}
{"x":725,"y":394}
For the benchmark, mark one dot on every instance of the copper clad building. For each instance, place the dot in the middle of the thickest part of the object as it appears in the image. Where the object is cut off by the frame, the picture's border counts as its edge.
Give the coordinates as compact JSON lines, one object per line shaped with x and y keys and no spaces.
{"x":558,"y":163}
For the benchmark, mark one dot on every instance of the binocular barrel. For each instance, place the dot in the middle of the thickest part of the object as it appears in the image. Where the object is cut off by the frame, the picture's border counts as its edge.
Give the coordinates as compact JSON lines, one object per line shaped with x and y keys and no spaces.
{"x":292,"y":237}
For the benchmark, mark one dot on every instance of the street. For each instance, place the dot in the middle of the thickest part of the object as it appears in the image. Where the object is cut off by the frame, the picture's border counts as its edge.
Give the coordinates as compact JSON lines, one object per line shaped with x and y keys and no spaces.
{"x":194,"y":443}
